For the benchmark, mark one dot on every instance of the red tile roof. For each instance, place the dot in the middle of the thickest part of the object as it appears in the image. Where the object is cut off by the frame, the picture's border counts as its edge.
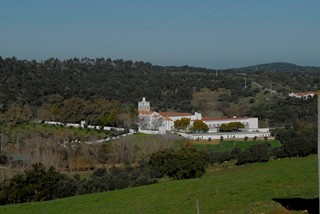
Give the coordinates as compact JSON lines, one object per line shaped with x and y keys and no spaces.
{"x":174,"y":114}
{"x":304,"y":93}
{"x":237,"y":118}
{"x":145,"y":112}
{"x":168,"y":119}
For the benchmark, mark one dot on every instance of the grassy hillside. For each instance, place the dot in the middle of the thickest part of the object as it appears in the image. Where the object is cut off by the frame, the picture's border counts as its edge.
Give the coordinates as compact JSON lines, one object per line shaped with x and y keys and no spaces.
{"x":246,"y":189}
{"x":229,"y":145}
{"x":25,"y":131}
{"x":208,"y":102}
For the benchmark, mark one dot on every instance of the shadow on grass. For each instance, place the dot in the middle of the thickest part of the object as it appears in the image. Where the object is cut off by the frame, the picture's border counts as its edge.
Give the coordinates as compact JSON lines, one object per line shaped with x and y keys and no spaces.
{"x":311,"y":205}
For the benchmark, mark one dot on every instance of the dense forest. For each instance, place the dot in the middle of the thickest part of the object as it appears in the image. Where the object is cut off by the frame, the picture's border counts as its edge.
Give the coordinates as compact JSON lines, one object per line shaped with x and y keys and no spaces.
{"x":260,"y":90}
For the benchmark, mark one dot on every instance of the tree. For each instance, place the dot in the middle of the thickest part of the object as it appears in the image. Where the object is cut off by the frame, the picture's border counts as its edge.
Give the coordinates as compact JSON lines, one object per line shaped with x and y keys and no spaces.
{"x":219,"y":157}
{"x":73,"y":110}
{"x":104,"y":119}
{"x":17,"y":115}
{"x":231,"y":127}
{"x":183,"y":164}
{"x":97,"y":109}
{"x":135,"y":127}
{"x":191,"y":163}
{"x":296,"y":142}
{"x":256,"y":153}
{"x":182,"y":124}
{"x":199,"y":126}
{"x":113,"y":116}
{"x":164,"y":162}
{"x":36,"y":184}
{"x":54,"y":111}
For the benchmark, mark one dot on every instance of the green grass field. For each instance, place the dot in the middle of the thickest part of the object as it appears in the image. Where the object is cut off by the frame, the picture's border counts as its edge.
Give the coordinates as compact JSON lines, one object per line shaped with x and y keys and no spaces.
{"x":245,"y":189}
{"x":229,"y":145}
{"x":25,"y":131}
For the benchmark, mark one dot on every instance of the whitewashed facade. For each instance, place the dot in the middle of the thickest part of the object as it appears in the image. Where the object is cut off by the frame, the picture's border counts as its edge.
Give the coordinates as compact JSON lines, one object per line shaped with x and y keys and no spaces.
{"x":304,"y":95}
{"x":250,"y":123}
{"x":164,"y":121}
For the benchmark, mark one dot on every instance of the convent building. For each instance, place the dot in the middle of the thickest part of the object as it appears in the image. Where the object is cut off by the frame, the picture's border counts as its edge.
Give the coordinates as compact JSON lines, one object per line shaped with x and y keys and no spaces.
{"x":163,"y":122}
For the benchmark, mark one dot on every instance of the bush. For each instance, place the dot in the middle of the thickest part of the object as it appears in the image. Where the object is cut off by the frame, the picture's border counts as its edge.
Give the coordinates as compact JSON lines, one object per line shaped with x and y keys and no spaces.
{"x":296,"y":143}
{"x":235,"y":152}
{"x":183,"y":164}
{"x":3,"y":159}
{"x":39,"y":183}
{"x":36,"y":184}
{"x":279,"y":153}
{"x":256,"y":153}
{"x":218,"y":157}
{"x":163,"y":162}
{"x":296,"y":147}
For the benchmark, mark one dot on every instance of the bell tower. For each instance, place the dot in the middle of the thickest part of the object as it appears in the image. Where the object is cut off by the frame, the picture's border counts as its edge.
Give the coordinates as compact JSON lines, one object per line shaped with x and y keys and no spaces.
{"x":143,"y":105}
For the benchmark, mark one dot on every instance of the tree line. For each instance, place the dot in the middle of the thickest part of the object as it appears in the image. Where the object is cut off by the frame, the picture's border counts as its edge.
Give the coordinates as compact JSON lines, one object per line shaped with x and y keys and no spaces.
{"x":41,"y":184}
{"x":100,"y":112}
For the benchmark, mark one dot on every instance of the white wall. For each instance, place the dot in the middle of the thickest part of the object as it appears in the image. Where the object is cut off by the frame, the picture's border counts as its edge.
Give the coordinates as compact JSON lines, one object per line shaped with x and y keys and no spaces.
{"x":76,"y":125}
{"x":250,"y":123}
{"x":148,"y":131}
{"x":228,"y":135}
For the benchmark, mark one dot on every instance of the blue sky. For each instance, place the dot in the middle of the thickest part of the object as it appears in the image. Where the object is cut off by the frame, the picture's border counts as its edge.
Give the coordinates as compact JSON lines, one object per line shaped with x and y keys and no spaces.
{"x":204,"y":33}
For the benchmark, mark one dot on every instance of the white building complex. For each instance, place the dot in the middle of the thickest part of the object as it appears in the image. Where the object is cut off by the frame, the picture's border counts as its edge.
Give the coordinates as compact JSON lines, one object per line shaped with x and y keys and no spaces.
{"x":304,"y":95}
{"x":163,"y":122}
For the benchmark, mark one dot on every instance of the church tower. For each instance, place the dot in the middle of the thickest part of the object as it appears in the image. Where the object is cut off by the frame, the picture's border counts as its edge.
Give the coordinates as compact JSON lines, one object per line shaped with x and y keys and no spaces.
{"x":143,"y":105}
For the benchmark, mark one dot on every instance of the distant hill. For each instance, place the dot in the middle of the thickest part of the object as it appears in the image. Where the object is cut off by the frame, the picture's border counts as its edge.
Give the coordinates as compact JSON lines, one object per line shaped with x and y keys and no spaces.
{"x":235,"y":91}
{"x":280,"y":67}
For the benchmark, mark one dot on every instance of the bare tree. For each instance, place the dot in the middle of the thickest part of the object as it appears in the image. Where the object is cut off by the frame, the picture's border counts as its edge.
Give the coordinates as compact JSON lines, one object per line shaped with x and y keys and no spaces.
{"x":122,"y":151}
{"x":44,"y":150}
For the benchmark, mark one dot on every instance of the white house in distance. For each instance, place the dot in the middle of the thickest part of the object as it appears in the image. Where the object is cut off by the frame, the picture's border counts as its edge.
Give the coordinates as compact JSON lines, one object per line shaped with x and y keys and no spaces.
{"x":162,"y":122}
{"x":304,"y":95}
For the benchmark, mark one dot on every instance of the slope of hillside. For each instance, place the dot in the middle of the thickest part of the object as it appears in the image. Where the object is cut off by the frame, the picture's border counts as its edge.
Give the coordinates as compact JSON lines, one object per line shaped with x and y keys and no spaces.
{"x":247,"y":189}
{"x":280,"y":67}
{"x":34,"y":83}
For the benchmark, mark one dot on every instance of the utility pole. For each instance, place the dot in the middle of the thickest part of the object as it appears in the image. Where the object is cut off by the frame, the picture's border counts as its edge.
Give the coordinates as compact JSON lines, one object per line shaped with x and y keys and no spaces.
{"x":216,"y":72}
{"x":245,"y":80}
{"x":197,"y":206}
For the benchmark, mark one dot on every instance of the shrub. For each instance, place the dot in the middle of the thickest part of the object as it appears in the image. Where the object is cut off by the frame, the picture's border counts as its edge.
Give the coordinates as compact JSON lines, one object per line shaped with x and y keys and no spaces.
{"x":39,"y":183}
{"x":296,"y":143}
{"x":256,"y":153}
{"x":218,"y":157}
{"x":163,"y":162}
{"x":183,"y":164}
{"x":235,"y":152}
{"x":36,"y":184}
{"x":3,"y":159}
